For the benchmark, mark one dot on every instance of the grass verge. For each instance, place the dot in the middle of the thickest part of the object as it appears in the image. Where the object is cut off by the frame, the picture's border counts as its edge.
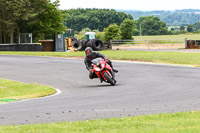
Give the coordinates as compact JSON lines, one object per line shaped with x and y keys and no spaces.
{"x":51,"y":54}
{"x":187,"y":122}
{"x":182,"y":58}
{"x":13,"y":90}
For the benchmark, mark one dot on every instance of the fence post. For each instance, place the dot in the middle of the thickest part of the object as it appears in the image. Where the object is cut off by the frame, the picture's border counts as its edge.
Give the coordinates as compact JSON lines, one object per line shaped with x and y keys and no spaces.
{"x":185,"y":43}
{"x":110,"y":44}
{"x":31,"y":36}
{"x":19,"y":38}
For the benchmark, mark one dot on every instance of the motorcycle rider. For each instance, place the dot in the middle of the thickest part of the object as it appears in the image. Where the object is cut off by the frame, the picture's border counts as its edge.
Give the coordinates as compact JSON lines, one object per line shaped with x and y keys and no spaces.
{"x":90,"y":55}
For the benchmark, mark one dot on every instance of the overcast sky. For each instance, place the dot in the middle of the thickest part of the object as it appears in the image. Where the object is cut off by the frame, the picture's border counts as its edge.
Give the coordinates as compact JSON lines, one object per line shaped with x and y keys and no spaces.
{"x":146,"y":5}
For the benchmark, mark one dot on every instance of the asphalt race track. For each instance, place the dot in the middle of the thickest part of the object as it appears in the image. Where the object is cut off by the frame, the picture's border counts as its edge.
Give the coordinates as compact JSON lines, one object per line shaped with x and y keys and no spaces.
{"x":141,"y":89}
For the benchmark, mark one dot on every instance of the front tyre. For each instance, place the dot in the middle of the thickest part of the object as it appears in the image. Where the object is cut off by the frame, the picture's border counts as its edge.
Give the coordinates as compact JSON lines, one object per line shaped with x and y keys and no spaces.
{"x":109,"y":79}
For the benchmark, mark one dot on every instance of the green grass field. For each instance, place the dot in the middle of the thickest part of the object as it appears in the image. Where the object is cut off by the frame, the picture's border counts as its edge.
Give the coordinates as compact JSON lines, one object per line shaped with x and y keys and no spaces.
{"x":159,"y":39}
{"x":187,"y":122}
{"x":181,"y":36}
{"x":165,"y":39}
{"x":182,"y":58}
{"x":13,"y":90}
{"x":52,"y":54}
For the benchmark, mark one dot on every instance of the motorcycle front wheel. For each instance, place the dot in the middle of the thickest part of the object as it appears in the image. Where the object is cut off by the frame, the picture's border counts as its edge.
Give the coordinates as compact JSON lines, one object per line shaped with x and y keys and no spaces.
{"x":109,"y":79}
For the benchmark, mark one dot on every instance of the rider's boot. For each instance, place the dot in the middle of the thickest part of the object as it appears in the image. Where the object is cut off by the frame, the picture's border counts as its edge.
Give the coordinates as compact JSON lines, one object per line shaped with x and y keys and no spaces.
{"x":114,"y":70}
{"x":114,"y":77}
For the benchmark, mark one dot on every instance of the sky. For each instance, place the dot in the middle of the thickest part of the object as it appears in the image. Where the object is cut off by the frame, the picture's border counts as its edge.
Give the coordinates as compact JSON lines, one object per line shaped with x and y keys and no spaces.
{"x":145,"y":5}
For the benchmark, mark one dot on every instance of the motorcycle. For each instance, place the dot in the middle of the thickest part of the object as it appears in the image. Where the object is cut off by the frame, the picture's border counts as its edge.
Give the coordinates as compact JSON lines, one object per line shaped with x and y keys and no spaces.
{"x":103,"y":71}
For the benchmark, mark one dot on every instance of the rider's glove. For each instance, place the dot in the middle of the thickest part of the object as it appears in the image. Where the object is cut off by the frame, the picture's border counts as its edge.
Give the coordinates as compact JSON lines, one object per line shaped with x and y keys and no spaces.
{"x":106,"y":59}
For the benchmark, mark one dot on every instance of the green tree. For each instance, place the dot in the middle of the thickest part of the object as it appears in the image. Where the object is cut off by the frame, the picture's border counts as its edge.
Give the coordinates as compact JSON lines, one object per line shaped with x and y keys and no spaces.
{"x":111,"y":32}
{"x":182,"y":28}
{"x":100,"y":35}
{"x":81,"y":34}
{"x":190,"y":28}
{"x":13,"y":11}
{"x":49,"y":20}
{"x":136,"y":32}
{"x":2,"y":20}
{"x":29,"y":16}
{"x":172,"y":29}
{"x":196,"y":26}
{"x":126,"y":29}
{"x":151,"y":25}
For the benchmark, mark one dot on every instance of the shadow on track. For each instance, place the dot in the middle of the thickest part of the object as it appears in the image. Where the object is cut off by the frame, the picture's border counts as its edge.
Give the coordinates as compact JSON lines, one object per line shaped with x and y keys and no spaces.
{"x":103,"y":85}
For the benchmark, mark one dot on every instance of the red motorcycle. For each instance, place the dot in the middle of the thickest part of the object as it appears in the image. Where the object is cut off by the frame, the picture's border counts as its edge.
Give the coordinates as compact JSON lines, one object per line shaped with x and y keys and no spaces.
{"x":103,"y":71}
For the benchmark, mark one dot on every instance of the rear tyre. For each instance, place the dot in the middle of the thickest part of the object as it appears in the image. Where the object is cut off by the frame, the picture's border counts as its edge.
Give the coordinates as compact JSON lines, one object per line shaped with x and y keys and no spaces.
{"x":89,"y":44}
{"x":82,"y":42}
{"x":109,"y":79}
{"x":97,"y":44}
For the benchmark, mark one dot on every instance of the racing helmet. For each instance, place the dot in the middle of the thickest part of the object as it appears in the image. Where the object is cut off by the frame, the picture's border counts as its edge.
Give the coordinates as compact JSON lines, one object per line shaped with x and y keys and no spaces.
{"x":88,"y":51}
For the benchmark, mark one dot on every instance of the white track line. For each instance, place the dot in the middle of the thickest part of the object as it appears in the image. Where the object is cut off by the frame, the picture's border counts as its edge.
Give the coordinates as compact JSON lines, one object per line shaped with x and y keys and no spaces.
{"x":153,"y":63}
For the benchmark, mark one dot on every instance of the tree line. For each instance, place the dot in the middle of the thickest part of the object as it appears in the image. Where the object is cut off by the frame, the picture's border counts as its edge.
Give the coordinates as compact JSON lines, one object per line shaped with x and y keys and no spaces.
{"x":94,"y":19}
{"x":112,"y":24}
{"x":150,"y":25}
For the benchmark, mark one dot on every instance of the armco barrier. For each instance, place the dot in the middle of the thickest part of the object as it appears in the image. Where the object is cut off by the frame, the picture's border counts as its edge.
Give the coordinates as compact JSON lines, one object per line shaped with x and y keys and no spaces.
{"x":20,"y":47}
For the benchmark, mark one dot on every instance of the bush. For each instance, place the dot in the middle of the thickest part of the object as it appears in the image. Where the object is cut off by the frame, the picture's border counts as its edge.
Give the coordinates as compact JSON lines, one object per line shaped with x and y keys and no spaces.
{"x":112,"y":32}
{"x":126,"y":29}
{"x":100,"y":35}
{"x":136,"y":32}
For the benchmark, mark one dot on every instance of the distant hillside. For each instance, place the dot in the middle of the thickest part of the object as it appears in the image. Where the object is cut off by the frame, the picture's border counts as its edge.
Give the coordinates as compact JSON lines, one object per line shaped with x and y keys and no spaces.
{"x":175,"y":18}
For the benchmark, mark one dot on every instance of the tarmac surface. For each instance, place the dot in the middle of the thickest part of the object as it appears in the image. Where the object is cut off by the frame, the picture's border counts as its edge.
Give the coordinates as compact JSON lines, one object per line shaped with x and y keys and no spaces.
{"x":141,"y":89}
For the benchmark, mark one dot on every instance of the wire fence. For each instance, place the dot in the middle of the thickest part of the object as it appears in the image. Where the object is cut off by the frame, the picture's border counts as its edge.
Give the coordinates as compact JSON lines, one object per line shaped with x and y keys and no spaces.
{"x":149,"y":41}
